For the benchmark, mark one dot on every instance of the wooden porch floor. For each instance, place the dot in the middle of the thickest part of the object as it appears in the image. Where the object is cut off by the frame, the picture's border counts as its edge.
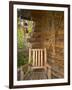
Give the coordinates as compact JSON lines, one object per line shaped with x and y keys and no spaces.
{"x":36,"y":74}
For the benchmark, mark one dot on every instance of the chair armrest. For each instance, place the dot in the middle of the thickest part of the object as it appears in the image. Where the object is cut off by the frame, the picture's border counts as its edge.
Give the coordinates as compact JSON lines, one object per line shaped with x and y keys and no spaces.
{"x":48,"y":66}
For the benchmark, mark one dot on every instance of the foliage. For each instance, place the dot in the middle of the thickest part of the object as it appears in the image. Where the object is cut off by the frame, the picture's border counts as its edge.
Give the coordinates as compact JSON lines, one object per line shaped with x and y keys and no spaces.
{"x":20,"y":37}
{"x":30,"y":26}
{"x":22,"y":58}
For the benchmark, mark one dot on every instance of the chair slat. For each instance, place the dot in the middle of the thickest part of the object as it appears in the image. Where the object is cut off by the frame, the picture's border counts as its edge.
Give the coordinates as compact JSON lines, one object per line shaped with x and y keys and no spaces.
{"x":36,"y":57}
{"x":29,"y":55}
{"x":33,"y":57}
{"x":41,"y":57}
{"x":45,"y":57}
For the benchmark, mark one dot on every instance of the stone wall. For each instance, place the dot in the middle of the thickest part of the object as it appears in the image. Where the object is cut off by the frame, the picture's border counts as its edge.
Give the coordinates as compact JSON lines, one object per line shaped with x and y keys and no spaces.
{"x":49,"y":33}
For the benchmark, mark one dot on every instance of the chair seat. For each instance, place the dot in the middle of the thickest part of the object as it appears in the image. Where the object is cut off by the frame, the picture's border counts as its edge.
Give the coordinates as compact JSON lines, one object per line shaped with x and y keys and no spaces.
{"x":41,"y":67}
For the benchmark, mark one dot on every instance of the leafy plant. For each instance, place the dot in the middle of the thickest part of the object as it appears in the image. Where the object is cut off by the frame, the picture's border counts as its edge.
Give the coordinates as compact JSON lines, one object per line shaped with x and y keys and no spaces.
{"x":20,"y":37}
{"x":22,"y":58}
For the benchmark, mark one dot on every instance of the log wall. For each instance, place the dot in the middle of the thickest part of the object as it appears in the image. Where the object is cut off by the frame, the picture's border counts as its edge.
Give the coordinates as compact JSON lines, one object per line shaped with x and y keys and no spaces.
{"x":49,"y":33}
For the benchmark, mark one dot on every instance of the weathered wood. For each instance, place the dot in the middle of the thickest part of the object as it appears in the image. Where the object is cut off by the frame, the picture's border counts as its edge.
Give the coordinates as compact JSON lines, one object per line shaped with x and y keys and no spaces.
{"x":57,"y":73}
{"x":21,"y":73}
{"x":29,"y":55}
{"x":48,"y":71}
{"x":45,"y":56}
{"x":38,"y":67}
{"x":38,"y":57}
{"x":40,"y":60}
{"x":33,"y":57}
{"x":41,"y":57}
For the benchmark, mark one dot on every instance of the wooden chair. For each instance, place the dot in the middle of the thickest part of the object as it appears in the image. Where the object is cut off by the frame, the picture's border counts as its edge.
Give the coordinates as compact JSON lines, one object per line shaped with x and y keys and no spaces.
{"x":38,"y":59}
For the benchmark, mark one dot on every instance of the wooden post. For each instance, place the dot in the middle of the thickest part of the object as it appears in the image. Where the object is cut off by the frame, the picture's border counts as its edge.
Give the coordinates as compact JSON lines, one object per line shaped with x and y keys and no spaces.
{"x":21,"y":74}
{"x":49,"y":73}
